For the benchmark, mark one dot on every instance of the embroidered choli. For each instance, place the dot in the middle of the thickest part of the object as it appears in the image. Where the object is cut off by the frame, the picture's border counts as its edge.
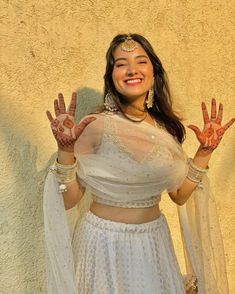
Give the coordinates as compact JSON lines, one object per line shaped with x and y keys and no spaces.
{"x":122,"y":163}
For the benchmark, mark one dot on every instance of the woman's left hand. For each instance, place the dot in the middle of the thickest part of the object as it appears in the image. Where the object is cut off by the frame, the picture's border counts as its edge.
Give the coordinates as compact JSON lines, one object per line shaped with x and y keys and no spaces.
{"x":213,"y":131}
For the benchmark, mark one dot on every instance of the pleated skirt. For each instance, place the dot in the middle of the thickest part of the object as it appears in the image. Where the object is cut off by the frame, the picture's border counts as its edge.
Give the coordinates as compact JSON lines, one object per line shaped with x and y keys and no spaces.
{"x":118,"y":258}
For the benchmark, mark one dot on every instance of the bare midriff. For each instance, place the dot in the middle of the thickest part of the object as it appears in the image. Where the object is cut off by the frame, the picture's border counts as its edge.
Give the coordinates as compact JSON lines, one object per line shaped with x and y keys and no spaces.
{"x":125,"y":215}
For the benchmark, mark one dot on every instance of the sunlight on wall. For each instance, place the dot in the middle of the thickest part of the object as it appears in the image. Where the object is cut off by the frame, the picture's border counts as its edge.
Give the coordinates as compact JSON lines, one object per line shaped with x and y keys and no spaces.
{"x":59,"y":46}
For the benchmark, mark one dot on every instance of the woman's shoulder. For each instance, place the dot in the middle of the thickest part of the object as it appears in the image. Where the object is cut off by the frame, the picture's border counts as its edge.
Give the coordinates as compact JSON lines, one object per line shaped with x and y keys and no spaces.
{"x":97,"y":115}
{"x":98,"y":124}
{"x":100,"y":116}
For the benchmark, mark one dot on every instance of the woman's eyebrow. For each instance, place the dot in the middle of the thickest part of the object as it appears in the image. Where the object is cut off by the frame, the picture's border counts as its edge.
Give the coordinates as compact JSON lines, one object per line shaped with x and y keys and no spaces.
{"x":140,"y":56}
{"x":120,"y":58}
{"x":123,"y":58}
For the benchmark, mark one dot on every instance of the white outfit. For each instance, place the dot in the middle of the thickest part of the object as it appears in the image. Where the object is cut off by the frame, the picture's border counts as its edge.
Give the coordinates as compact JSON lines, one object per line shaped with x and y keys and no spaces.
{"x":128,"y":164}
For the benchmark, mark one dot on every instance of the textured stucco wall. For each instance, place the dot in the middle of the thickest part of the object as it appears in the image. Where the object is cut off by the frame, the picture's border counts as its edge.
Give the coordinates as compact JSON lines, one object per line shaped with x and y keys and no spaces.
{"x":52,"y":46}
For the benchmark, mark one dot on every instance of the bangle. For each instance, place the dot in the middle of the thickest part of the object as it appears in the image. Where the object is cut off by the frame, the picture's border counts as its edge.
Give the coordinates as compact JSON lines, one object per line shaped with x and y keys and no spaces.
{"x":195,"y":173}
{"x":64,"y":174}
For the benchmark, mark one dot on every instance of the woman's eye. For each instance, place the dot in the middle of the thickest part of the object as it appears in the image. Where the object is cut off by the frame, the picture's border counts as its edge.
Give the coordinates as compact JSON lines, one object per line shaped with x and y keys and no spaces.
{"x":143,"y":62}
{"x":120,"y":64}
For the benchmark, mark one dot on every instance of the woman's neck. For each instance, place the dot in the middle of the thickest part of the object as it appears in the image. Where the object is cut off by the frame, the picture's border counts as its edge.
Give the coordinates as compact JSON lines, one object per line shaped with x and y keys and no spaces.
{"x":135,"y":110}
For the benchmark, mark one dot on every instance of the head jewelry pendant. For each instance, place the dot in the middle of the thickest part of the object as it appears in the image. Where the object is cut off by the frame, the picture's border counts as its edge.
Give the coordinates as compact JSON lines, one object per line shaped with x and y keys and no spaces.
{"x":129,"y":44}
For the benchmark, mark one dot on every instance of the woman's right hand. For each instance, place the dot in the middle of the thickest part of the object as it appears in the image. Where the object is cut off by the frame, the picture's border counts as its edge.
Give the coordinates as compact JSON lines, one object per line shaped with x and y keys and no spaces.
{"x":64,"y":127}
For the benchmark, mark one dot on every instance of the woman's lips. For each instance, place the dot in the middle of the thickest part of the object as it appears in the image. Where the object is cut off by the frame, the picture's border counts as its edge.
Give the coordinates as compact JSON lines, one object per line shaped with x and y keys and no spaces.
{"x":133,"y":82}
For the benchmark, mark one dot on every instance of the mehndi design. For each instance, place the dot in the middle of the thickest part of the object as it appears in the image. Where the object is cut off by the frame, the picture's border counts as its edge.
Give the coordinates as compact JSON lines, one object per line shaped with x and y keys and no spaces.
{"x":64,"y":127}
{"x":212,"y":132}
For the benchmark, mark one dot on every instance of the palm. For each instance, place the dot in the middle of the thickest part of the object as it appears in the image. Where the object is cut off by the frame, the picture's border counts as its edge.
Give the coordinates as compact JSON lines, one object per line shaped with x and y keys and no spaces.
{"x":64,"y":127}
{"x":213,"y":131}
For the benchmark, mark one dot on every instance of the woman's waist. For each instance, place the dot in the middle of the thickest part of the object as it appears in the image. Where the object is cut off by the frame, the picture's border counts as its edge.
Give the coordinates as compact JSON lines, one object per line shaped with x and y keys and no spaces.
{"x":124,"y":214}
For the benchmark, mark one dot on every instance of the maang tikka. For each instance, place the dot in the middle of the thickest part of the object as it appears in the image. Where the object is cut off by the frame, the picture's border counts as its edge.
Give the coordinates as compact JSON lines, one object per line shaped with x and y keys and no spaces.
{"x":129,"y":44}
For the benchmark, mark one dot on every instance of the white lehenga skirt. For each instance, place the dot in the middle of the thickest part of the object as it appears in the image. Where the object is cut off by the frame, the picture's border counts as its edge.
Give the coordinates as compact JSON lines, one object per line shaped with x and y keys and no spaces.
{"x":118,"y":258}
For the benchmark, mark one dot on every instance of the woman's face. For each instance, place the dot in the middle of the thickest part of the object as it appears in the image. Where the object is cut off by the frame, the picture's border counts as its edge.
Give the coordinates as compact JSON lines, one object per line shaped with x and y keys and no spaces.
{"x":132,"y":73}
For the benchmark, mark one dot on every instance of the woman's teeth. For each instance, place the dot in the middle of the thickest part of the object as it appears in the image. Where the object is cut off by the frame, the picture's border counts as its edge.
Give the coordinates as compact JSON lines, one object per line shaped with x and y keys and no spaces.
{"x":133,"y":81}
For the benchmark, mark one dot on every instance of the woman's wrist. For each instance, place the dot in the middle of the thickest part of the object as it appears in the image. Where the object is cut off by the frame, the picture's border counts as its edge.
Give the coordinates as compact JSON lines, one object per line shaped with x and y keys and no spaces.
{"x":65,"y":157}
{"x":202,"y":157}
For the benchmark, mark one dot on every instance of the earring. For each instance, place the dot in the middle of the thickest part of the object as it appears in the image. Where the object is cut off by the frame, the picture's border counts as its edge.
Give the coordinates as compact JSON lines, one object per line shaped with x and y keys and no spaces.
{"x":149,"y":100}
{"x":109,"y":103}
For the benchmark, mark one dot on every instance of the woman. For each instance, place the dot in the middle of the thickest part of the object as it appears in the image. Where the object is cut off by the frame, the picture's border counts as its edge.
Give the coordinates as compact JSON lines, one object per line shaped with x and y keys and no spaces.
{"x":124,"y":157}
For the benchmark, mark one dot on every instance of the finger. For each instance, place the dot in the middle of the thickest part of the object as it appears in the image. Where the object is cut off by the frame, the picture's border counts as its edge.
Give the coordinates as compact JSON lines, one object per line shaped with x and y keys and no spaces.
{"x":80,"y":128}
{"x":220,"y":114}
{"x":49,"y":116}
{"x":195,"y":129}
{"x":213,"y":109}
{"x":61,"y":103}
{"x":227,"y":125}
{"x":205,"y":113}
{"x":73,"y":104}
{"x":56,"y":107}
{"x":199,"y":134}
{"x":55,"y":132}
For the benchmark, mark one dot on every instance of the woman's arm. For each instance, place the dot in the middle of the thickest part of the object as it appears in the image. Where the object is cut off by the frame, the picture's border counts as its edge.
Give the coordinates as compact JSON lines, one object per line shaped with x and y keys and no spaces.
{"x":66,"y":133}
{"x":201,"y":159}
{"x":209,"y":140}
{"x":74,"y":191}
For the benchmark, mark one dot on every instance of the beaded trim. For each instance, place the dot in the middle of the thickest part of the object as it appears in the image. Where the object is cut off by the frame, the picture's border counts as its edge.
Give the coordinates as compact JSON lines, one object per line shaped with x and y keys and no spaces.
{"x":111,"y":131}
{"x":155,"y":151}
{"x":128,"y":204}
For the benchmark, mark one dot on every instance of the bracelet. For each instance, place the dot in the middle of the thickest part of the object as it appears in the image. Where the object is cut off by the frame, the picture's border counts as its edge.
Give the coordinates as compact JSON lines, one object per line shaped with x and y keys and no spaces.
{"x":64,"y":174}
{"x":195,"y":173}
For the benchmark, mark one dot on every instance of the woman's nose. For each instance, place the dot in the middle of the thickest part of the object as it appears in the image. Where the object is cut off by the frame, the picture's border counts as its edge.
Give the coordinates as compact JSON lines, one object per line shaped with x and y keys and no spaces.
{"x":131,"y":70}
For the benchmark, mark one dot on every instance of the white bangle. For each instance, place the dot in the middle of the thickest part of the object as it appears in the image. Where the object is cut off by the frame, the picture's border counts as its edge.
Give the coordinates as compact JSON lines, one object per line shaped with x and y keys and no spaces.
{"x":195,"y":173}
{"x":64,"y":174}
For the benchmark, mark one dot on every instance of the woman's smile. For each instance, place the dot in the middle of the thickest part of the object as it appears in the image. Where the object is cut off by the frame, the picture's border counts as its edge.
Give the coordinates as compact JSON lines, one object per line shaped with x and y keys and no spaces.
{"x":133,"y":82}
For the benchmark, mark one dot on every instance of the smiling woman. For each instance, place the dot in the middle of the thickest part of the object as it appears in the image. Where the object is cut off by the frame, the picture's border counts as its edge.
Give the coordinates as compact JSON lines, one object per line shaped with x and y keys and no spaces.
{"x":123,"y":158}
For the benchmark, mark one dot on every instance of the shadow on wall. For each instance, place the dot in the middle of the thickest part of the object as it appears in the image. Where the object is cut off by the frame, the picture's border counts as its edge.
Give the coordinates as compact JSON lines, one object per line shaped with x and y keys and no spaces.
{"x":23,"y":249}
{"x":87,"y":102}
{"x":21,"y":223}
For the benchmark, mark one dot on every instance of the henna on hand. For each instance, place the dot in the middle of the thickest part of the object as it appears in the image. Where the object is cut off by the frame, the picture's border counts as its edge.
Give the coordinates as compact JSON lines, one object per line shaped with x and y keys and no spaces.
{"x":213,"y":131}
{"x":64,"y":127}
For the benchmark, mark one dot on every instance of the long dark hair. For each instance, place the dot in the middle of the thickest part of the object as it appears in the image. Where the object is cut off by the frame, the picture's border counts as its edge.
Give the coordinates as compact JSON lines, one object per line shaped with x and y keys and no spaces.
{"x":162,"y":109}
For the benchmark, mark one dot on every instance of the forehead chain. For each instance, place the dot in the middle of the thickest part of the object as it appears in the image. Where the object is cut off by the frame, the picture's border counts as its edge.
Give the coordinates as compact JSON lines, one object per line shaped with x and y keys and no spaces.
{"x":129,"y":44}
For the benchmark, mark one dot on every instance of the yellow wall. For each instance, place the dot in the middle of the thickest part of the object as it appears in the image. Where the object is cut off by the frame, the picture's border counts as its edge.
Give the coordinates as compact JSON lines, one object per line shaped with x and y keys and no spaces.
{"x":52,"y":46}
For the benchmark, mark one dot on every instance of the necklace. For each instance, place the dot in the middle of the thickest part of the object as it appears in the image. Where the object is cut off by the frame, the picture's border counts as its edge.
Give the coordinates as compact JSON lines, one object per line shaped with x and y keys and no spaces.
{"x":133,"y":117}
{"x":136,"y":120}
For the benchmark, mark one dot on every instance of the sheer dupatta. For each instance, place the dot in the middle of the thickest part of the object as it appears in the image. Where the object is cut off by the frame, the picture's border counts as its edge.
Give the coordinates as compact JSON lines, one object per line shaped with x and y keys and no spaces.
{"x":119,"y":158}
{"x":202,"y":241}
